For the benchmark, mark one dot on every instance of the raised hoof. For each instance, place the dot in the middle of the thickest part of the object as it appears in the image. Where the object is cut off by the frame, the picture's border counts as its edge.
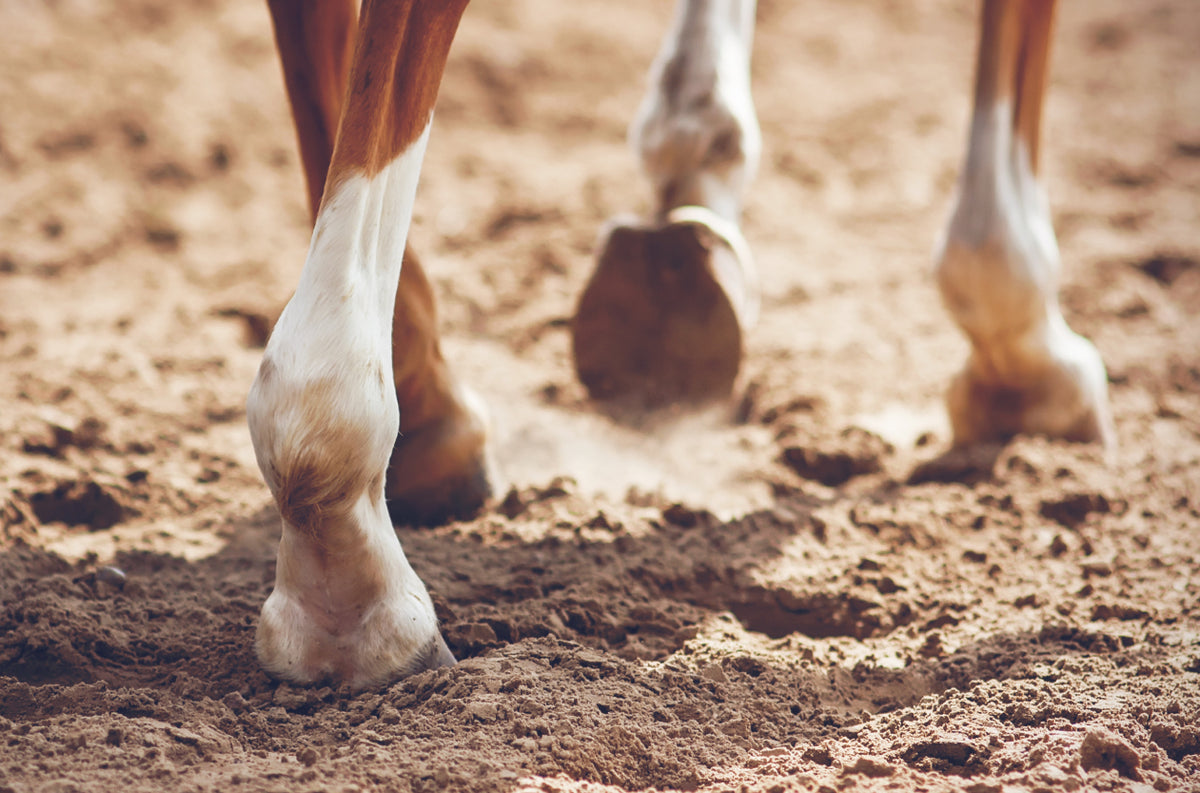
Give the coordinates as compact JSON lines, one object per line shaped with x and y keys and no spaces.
{"x":663,"y":318}
{"x":1065,"y":398}
{"x":441,"y":471}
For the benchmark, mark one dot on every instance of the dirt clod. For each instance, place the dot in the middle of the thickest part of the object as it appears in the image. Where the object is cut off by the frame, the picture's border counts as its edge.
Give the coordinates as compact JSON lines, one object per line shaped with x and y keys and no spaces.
{"x":859,"y":453}
{"x":1102,"y":750}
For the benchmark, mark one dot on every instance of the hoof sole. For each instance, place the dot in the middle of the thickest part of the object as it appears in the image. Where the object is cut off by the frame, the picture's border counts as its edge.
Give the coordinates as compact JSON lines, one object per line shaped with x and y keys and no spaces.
{"x":662,"y":319}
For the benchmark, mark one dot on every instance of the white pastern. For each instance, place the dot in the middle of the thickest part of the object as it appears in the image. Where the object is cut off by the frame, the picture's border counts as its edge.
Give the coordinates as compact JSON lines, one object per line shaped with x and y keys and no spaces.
{"x":323,"y":419}
{"x":696,"y":132}
{"x":360,"y":615}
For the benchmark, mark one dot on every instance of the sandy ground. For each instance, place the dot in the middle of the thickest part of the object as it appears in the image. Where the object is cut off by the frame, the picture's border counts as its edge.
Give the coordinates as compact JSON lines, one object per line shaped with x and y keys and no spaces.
{"x":759,"y":597}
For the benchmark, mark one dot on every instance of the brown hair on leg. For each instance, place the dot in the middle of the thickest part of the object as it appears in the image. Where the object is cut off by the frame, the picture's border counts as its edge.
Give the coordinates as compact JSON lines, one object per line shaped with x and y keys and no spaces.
{"x":315,"y":39}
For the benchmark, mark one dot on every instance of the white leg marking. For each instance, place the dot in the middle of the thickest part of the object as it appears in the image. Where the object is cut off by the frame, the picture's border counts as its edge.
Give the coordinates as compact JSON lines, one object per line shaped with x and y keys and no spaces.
{"x":997,"y":267}
{"x":997,"y":264}
{"x":323,"y":418}
{"x":696,"y":132}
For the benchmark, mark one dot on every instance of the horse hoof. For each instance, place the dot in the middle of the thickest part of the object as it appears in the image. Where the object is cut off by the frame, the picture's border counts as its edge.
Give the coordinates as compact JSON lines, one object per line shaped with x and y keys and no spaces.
{"x":663,"y":319}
